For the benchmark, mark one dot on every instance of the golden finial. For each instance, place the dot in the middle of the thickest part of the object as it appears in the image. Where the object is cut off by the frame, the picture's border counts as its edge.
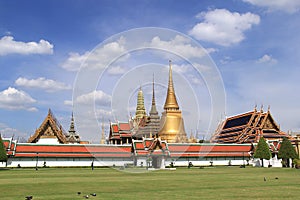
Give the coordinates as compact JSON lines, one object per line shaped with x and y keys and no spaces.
{"x":261,"y":108}
{"x":171,"y":102}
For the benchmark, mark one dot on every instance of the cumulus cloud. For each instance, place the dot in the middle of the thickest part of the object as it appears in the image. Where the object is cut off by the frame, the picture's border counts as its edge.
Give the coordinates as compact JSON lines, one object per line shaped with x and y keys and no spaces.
{"x":9,"y":46}
{"x":97,"y":96}
{"x":267,"y":59}
{"x":7,"y":131}
{"x":68,"y":103}
{"x":42,"y":83}
{"x":289,"y":6}
{"x":116,"y":70}
{"x":180,"y":44}
{"x":97,"y":59}
{"x":13,"y":99}
{"x":223,"y":27}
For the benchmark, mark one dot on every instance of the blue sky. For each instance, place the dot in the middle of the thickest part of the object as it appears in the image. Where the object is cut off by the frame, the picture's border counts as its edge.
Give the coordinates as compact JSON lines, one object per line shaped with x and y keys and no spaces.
{"x":254,"y":44}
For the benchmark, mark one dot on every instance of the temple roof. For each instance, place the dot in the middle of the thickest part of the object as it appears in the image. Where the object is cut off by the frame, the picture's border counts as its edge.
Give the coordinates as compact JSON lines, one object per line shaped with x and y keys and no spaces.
{"x":50,"y":128}
{"x":247,"y":128}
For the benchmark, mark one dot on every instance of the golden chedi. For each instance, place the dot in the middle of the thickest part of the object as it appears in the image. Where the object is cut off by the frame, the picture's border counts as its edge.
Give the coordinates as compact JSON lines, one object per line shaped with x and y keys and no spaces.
{"x":171,"y":124}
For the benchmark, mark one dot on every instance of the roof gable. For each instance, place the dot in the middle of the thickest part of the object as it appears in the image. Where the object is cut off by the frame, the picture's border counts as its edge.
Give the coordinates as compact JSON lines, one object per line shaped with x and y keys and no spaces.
{"x":49,"y":128}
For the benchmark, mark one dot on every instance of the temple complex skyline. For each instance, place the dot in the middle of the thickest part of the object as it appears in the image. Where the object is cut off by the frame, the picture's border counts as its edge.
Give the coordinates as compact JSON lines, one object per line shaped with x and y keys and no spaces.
{"x":43,"y":46}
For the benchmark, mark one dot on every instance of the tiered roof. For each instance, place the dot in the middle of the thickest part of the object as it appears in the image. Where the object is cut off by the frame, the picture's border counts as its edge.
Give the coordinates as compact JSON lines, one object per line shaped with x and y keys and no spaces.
{"x":120,"y":131}
{"x":50,"y":128}
{"x":150,"y":146}
{"x":248,"y":128}
{"x":145,"y":147}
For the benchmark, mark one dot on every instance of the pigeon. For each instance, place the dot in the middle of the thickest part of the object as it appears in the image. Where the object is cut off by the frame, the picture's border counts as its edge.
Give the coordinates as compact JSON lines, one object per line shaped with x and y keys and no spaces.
{"x":86,"y":196}
{"x":79,"y":193}
{"x":94,"y":194}
{"x":28,"y":197}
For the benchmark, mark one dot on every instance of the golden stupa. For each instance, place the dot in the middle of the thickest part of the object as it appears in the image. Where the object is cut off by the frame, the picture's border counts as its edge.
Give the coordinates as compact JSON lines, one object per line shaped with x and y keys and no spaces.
{"x":171,"y":124}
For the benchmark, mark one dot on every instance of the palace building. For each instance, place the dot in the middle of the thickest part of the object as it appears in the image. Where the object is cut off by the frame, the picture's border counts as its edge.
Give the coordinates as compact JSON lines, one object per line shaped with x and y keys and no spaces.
{"x":248,"y":127}
{"x":150,"y":140}
{"x":170,"y":127}
{"x":51,"y":132}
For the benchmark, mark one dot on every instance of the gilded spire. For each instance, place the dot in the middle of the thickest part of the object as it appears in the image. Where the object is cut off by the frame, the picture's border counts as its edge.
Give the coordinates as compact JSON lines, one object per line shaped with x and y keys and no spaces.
{"x":153,"y":106}
{"x":140,"y":107}
{"x":171,"y":102}
{"x":102,"y":141}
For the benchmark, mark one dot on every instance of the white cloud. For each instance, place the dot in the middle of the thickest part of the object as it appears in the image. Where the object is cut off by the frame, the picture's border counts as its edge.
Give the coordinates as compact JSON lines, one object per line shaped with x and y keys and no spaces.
{"x":116,"y":70}
{"x":290,"y":6}
{"x":13,"y":99}
{"x":42,"y":83}
{"x":223,"y":27}
{"x":181,"y":68}
{"x":97,"y":59}
{"x":68,"y":103}
{"x":267,"y":59}
{"x":7,"y":131}
{"x":180,"y":44}
{"x":97,"y":97}
{"x":9,"y":46}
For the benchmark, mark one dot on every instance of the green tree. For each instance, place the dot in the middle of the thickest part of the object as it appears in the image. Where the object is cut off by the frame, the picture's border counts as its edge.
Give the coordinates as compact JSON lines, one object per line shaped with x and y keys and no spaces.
{"x":3,"y":156}
{"x":286,"y":151}
{"x":262,"y":151}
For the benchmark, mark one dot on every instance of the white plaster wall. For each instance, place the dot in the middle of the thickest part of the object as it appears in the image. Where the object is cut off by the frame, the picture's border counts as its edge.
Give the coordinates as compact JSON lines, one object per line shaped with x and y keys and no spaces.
{"x":198,"y":163}
{"x":78,"y":162}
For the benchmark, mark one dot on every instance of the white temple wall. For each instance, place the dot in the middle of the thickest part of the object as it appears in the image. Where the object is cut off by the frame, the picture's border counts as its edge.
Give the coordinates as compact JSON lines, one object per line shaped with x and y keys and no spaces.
{"x":67,"y":162}
{"x":141,"y":161}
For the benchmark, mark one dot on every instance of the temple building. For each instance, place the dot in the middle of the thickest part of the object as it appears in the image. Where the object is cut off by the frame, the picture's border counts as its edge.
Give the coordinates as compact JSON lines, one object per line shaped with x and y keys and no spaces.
{"x":149,"y":125}
{"x":120,"y":133}
{"x":51,"y":132}
{"x":172,"y":124}
{"x":248,"y":128}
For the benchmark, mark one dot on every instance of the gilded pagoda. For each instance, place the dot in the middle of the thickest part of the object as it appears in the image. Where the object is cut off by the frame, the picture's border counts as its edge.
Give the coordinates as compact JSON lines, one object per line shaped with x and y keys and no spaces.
{"x":172,"y":124}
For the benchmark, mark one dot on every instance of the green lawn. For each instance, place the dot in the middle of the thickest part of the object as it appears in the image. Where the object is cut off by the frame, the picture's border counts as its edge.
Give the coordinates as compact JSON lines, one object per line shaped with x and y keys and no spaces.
{"x":194,"y":183}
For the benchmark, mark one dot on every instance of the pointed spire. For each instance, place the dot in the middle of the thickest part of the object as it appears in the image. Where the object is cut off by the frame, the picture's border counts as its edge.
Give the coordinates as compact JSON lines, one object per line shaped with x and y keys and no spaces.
{"x":140,"y":107}
{"x":153,"y":106}
{"x":171,"y":102}
{"x":72,"y":126}
{"x":102,"y":133}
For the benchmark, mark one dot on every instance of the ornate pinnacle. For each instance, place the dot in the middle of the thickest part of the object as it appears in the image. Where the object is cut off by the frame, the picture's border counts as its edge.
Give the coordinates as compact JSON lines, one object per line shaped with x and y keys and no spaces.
{"x":171,"y":102}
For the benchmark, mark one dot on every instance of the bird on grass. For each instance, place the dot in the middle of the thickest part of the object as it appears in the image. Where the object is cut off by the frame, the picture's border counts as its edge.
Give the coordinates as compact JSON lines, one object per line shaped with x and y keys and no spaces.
{"x":265,"y":179}
{"x":276,"y":178}
{"x":86,"y":196}
{"x":29,"y":197}
{"x":79,"y":193}
{"x":93,"y":194}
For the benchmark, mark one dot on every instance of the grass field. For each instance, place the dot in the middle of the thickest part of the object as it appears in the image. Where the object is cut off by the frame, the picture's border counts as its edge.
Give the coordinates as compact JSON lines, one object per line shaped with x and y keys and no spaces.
{"x":194,"y":183}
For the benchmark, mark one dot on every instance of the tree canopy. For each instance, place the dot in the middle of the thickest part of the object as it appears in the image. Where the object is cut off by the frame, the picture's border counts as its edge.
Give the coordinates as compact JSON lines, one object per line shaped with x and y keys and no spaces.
{"x":287,"y":150}
{"x":3,"y":156}
{"x":262,"y":150}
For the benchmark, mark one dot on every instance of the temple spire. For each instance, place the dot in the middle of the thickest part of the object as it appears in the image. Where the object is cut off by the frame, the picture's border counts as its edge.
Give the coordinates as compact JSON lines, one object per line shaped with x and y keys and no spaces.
{"x":102,"y":141}
{"x":72,"y":126}
{"x":153,"y":106}
{"x":140,"y":107}
{"x":72,"y":137}
{"x":171,"y":102}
